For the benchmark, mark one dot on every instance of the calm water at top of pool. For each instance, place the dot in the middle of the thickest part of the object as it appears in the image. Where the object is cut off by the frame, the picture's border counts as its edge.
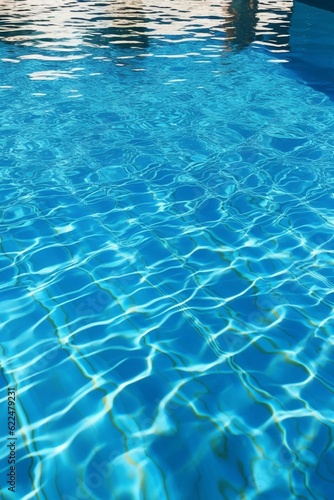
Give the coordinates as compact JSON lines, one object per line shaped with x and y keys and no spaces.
{"x":166,"y":265}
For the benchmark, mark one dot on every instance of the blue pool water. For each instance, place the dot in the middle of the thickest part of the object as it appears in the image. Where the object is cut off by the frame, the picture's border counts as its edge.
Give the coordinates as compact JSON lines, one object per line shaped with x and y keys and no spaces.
{"x":166,"y":268}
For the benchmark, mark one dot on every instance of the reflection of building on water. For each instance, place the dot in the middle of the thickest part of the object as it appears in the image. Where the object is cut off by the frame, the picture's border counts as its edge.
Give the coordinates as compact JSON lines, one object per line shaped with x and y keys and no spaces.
{"x":265,"y":22}
{"x":297,"y":27}
{"x":241,"y":20}
{"x":121,"y":22}
{"x":272,"y":29}
{"x":68,"y":23}
{"x":162,"y":19}
{"x":132,"y":23}
{"x":36,"y":22}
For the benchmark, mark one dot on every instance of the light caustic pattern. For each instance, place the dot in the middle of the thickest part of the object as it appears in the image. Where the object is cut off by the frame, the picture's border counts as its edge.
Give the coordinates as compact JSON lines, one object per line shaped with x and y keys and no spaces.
{"x":166,"y":257}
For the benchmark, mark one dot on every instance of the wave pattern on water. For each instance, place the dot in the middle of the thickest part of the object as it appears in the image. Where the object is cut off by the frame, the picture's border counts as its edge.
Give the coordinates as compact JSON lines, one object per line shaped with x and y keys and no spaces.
{"x":166,"y":259}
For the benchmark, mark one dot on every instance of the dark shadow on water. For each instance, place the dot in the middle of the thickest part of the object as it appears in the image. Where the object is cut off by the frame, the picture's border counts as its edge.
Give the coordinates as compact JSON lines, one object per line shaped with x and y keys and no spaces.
{"x":298,"y":33}
{"x":256,"y":21}
{"x":241,"y":24}
{"x":312,"y":44}
{"x":320,"y":4}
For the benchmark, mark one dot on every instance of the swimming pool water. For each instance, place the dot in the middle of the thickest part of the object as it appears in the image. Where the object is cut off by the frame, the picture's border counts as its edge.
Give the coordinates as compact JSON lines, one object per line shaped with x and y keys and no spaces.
{"x":166,"y":267}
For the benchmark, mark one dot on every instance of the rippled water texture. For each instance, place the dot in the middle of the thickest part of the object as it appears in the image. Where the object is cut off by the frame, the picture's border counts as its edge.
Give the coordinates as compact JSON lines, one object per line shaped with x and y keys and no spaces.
{"x":167,"y":251}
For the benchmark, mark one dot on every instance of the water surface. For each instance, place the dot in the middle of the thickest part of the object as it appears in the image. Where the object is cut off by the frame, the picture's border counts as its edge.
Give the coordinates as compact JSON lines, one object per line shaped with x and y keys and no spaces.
{"x":167,"y":249}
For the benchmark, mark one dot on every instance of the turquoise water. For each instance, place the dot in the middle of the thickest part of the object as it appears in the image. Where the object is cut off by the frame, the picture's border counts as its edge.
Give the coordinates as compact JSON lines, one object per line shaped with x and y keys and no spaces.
{"x":166,"y":269}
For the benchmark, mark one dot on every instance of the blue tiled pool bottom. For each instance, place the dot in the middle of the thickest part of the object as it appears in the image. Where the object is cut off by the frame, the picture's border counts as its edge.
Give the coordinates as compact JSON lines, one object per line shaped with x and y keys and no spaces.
{"x":166,"y":272}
